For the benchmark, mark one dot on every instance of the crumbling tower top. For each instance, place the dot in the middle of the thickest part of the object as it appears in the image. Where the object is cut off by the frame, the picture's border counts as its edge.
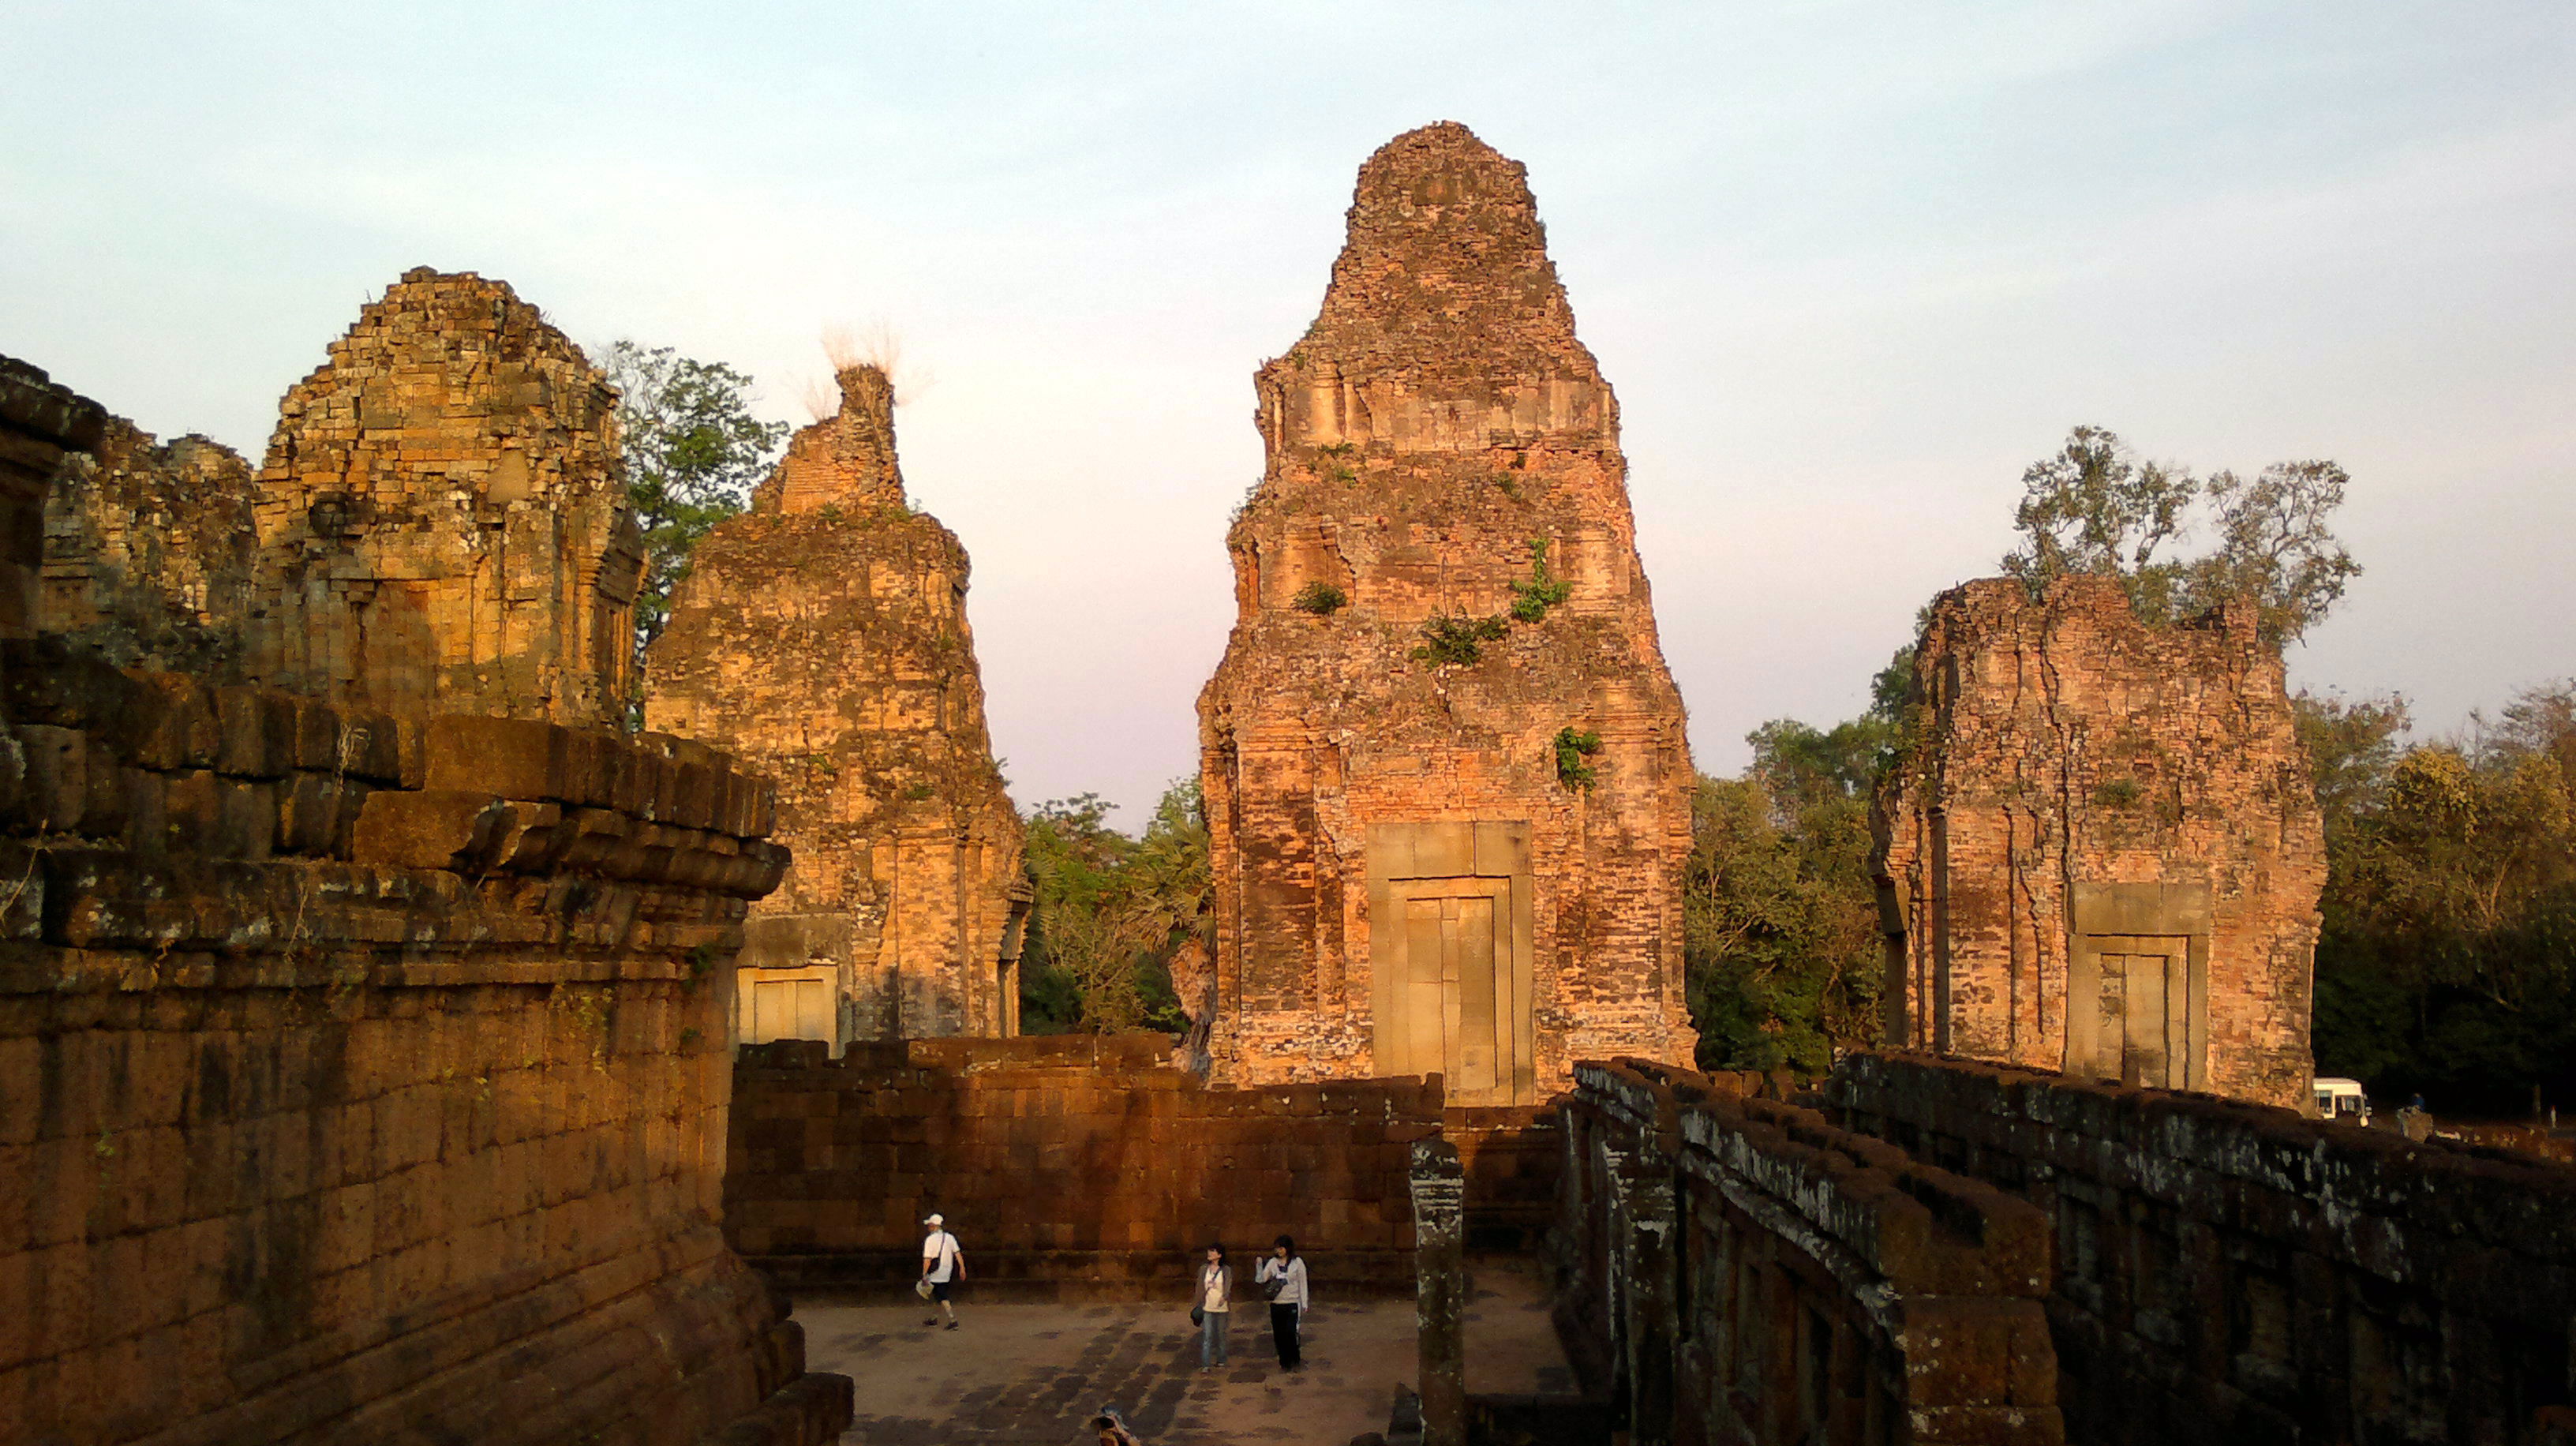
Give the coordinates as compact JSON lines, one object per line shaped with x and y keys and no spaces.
{"x":1446,"y":266}
{"x":443,"y":517}
{"x":1445,"y":327}
{"x":846,"y":460}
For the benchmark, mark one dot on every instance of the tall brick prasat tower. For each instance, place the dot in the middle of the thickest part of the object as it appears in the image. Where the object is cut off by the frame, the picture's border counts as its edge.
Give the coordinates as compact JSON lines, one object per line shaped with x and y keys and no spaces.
{"x":2100,"y":851}
{"x":1447,"y":786}
{"x":822,"y":638}
{"x":442,"y":516}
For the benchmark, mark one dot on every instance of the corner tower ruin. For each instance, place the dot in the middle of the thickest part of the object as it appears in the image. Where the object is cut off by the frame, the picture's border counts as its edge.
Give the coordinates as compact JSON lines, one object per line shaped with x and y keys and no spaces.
{"x":442,"y":516}
{"x":1447,"y":786}
{"x":2100,"y":850}
{"x":822,"y":637}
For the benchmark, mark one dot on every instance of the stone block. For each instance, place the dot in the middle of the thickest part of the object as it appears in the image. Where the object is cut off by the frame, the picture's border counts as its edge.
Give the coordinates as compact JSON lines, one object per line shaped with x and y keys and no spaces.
{"x":517,"y":758}
{"x":433,"y":829}
{"x":56,"y":768}
{"x":256,"y":733}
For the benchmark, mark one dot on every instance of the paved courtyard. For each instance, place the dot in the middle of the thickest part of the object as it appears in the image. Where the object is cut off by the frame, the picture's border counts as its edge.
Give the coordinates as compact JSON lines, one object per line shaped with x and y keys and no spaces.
{"x":1031,"y":1373}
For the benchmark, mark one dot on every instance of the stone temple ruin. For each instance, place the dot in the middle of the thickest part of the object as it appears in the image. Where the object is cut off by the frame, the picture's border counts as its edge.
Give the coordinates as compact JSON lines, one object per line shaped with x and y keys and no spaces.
{"x":149,"y":552}
{"x":822,"y":638}
{"x":442,"y":516}
{"x":2102,"y":852}
{"x":365,"y":1062}
{"x":1447,"y":787}
{"x":372,"y":1066}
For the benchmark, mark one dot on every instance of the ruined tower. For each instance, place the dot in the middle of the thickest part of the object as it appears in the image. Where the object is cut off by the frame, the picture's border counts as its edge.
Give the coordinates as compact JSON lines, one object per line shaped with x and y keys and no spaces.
{"x":822,"y":637}
{"x":1447,"y":787}
{"x":2100,"y":851}
{"x":442,"y":516}
{"x":149,"y":551}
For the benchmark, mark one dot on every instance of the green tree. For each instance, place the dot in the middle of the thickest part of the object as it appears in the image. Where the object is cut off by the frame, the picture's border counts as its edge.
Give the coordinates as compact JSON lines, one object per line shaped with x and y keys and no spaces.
{"x":2353,"y":747}
{"x":1109,"y":911}
{"x":2095,"y":507}
{"x":1780,"y":946}
{"x":2447,"y":961}
{"x":693,"y":451}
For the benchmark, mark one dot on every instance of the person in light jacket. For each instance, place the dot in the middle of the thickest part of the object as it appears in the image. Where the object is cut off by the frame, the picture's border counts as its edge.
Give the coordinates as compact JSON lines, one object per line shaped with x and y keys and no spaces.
{"x":1213,"y":1303}
{"x":1288,"y":1302}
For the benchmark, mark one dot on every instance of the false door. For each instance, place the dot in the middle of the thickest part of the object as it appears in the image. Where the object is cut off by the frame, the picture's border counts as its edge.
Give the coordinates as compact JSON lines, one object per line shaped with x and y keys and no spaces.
{"x":1450,"y":928}
{"x":2139,"y":1037}
{"x":787,"y":1009}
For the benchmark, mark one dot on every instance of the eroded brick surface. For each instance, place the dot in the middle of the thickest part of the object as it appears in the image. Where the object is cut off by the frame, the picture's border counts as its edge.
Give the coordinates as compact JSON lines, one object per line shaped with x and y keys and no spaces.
{"x":822,"y":637}
{"x":1437,"y":423}
{"x":2082,"y":785}
{"x":149,"y":551}
{"x":442,"y":516}
{"x":40,"y":422}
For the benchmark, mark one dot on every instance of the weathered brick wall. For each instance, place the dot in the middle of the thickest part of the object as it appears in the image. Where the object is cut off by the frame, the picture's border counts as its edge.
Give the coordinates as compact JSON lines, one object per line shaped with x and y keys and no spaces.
{"x":822,"y":637}
{"x":2234,"y":1272}
{"x":1068,"y":1166}
{"x":362,"y":1073}
{"x":149,"y":548}
{"x":40,"y":423}
{"x":2078,"y":784}
{"x":1739,"y":1270}
{"x":1436,"y":426}
{"x":442,"y":516}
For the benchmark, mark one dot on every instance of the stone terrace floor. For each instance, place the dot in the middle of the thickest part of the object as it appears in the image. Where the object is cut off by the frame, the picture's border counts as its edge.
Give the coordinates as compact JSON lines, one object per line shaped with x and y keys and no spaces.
{"x":1032,"y":1373}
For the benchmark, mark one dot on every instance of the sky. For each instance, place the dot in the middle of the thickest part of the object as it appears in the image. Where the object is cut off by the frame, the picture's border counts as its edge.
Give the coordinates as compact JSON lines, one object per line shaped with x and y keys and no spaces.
{"x":1851,"y":267}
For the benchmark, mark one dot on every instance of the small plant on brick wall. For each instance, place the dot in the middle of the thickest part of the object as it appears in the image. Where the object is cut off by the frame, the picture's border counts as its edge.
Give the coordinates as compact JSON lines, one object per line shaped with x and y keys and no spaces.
{"x":2117,"y":793}
{"x":1457,"y":637}
{"x":1572,"y":748}
{"x":1509,"y":485}
{"x":918,"y":791}
{"x":1320,"y":598}
{"x":1532,"y":599}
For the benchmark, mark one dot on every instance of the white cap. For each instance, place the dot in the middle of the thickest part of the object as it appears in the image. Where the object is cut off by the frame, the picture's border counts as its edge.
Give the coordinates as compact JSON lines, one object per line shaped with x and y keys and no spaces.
{"x":936,"y":1220}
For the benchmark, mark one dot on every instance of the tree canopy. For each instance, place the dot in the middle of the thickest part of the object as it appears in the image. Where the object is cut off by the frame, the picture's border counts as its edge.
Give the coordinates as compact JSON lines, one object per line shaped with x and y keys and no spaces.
{"x":1780,"y":945}
{"x":2447,"y":962}
{"x":2096,"y":507}
{"x":693,"y":451}
{"x":1109,"y":911}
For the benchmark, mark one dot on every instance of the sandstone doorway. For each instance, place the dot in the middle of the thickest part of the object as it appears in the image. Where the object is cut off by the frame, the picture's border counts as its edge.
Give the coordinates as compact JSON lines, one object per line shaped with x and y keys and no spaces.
{"x":2140,"y":1033}
{"x":2137,"y":1005}
{"x":1450,"y":949}
{"x":790,"y":1008}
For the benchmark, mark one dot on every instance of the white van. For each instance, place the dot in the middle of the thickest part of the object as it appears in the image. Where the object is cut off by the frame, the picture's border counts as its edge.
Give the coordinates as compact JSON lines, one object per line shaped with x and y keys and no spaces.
{"x":2341,"y":1101}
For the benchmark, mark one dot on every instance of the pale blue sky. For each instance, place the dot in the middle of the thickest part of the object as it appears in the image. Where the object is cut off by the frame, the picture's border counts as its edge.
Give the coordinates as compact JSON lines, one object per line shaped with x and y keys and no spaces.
{"x":1851,"y":266}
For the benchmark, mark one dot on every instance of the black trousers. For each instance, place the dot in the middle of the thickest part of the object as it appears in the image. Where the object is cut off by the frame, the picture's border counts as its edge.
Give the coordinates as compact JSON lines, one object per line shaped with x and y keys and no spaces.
{"x":1283,"y":1334}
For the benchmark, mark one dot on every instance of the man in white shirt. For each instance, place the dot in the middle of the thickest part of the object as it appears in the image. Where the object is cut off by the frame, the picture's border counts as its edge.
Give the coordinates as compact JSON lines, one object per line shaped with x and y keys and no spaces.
{"x":943,"y":1264}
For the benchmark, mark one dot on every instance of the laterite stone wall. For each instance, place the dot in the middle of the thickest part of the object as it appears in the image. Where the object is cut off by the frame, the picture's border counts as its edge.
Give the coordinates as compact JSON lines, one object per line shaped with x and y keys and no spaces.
{"x":1735,"y":1270}
{"x":1070,"y":1167}
{"x":2235,"y":1272}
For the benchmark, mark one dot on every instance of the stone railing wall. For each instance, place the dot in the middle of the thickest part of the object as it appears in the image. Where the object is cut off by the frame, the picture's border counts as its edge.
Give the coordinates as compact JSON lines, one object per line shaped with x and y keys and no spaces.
{"x":1512,"y":1155}
{"x":2228,"y":1271}
{"x":1069,"y":1167}
{"x":1739,"y":1270}
{"x":363,"y":1075}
